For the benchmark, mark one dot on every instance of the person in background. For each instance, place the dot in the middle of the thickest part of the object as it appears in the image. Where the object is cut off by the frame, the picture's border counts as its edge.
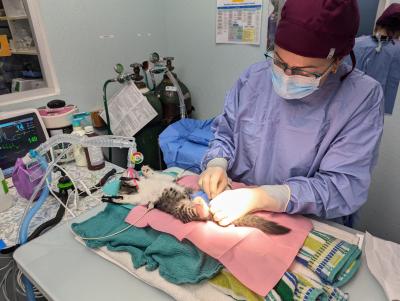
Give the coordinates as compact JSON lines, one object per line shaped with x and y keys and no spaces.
{"x":302,"y":128}
{"x":379,"y":55}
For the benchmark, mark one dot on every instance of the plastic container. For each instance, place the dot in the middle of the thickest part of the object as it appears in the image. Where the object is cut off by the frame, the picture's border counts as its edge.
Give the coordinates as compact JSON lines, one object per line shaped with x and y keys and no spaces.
{"x":94,"y":155}
{"x":78,"y":150}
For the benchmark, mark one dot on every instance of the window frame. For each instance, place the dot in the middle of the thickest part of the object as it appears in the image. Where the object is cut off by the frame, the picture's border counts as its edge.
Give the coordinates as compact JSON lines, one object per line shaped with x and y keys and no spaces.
{"x":46,"y":63}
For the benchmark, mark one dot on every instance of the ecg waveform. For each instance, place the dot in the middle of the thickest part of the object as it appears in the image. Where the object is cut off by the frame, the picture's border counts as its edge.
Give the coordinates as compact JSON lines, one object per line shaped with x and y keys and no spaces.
{"x":16,"y":132}
{"x":12,"y":133}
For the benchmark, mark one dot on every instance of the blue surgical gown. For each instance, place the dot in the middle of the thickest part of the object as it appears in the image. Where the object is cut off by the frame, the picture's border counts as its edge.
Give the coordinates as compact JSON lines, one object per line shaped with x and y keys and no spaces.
{"x":323,"y":146}
{"x":384,"y":66}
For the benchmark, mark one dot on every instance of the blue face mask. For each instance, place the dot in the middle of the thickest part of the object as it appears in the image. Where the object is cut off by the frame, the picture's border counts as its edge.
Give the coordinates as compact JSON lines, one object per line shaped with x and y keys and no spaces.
{"x":293,"y":86}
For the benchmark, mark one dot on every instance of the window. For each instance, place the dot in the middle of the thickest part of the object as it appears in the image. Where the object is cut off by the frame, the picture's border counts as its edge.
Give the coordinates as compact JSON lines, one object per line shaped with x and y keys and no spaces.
{"x":26,"y":70}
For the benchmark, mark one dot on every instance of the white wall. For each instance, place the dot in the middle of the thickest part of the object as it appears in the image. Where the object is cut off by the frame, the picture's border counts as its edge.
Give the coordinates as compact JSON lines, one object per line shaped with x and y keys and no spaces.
{"x":381,"y":214}
{"x":208,"y":69}
{"x":82,"y":60}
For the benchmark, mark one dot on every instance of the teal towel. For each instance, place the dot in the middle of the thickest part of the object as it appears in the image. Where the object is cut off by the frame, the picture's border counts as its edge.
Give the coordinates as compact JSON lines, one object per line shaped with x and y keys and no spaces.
{"x":178,"y":262}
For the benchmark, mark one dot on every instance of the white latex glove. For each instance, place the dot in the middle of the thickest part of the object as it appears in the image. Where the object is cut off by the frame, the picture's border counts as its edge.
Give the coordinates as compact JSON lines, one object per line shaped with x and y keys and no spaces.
{"x":232,"y":204}
{"x":213,"y":181}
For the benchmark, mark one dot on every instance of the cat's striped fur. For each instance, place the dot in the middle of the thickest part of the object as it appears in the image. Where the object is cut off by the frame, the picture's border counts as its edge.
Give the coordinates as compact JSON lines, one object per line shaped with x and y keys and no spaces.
{"x":159,"y":191}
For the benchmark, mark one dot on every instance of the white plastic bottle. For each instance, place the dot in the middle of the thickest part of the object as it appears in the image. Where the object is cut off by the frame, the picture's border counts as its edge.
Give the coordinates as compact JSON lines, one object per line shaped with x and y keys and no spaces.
{"x":79,"y":151}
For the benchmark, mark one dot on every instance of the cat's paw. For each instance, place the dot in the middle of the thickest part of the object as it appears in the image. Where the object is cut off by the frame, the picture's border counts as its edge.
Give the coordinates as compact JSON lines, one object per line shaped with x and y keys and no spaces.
{"x":201,"y":208}
{"x":122,"y":200}
{"x":147,"y":171}
{"x":133,"y":199}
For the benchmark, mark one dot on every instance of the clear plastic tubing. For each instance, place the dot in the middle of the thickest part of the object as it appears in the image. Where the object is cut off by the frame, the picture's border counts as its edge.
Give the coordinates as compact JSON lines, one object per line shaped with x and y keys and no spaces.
{"x":100,"y":141}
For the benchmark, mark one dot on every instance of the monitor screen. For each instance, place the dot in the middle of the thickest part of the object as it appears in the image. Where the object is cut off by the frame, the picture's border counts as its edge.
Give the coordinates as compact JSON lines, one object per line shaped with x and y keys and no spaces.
{"x":18,"y":135}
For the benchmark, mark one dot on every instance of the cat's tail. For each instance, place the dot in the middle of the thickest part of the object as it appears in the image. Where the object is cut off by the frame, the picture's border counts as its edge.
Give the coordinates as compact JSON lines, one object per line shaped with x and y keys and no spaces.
{"x":264,"y":225}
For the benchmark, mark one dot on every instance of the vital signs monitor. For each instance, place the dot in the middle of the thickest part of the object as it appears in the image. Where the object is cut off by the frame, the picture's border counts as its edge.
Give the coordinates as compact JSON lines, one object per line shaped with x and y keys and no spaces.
{"x":20,"y":131}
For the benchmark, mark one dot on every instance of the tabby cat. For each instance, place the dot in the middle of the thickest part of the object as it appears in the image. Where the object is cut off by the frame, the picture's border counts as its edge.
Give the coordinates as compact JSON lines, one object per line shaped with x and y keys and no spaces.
{"x":159,"y":190}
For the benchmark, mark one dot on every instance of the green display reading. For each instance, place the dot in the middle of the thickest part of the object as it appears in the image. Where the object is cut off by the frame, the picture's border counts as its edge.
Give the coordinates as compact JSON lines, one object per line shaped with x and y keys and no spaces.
{"x":33,"y":139}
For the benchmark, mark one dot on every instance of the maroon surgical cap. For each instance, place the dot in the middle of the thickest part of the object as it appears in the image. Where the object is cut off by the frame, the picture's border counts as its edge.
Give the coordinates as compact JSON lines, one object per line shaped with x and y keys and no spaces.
{"x":318,"y":28}
{"x":390,"y":17}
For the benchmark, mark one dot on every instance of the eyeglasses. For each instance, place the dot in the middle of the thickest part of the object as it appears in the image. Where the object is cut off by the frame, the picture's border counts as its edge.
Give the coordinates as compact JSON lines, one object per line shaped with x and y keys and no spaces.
{"x":293,"y":70}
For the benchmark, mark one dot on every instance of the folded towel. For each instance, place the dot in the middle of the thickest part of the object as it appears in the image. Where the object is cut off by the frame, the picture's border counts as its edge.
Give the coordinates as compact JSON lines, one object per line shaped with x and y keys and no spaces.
{"x":334,"y":261}
{"x":178,"y":262}
{"x":310,"y":289}
{"x":297,"y":287}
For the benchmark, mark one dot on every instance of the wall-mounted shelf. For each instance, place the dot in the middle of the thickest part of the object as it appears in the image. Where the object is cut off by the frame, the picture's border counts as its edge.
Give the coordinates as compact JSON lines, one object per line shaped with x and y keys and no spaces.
{"x":13,"y":18}
{"x":14,"y":8}
{"x":25,"y":52}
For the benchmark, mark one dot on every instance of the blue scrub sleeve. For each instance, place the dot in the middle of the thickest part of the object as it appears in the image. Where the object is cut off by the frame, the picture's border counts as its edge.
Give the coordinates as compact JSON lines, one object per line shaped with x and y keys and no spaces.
{"x":340,"y":187}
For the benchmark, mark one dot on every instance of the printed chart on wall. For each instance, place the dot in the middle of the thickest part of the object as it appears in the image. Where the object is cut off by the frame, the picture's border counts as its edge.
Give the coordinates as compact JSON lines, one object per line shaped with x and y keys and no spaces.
{"x":238,"y":21}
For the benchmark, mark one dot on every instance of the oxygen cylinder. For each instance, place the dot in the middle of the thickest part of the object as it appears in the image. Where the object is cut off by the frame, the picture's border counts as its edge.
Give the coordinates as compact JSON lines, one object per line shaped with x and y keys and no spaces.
{"x":168,"y":95}
{"x":147,"y":138}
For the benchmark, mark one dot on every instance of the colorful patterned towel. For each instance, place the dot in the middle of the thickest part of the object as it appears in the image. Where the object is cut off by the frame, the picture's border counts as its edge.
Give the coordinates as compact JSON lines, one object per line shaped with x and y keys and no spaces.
{"x":284,"y":290}
{"x":309,"y":290}
{"x":334,"y":261}
{"x":292,"y":287}
{"x":296,"y":287}
{"x":325,"y":262}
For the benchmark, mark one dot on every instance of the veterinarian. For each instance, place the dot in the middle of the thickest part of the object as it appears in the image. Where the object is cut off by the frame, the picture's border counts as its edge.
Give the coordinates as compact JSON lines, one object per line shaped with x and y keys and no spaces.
{"x":378,"y":55}
{"x":303,"y":128}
